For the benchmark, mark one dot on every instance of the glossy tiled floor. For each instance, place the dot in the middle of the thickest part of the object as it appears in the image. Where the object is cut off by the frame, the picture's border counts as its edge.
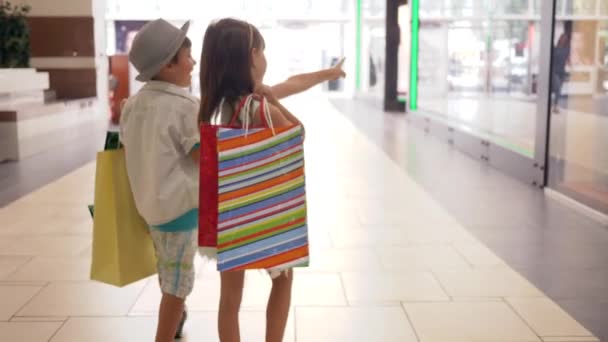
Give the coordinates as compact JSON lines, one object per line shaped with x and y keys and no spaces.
{"x":389,"y":264}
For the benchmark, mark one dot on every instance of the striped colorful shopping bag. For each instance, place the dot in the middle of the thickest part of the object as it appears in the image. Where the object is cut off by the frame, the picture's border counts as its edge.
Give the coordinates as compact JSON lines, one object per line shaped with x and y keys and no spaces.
{"x":253,"y":196}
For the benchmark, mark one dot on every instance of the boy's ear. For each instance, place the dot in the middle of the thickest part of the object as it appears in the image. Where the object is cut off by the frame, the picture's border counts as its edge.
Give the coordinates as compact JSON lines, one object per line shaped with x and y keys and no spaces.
{"x":167,"y":67}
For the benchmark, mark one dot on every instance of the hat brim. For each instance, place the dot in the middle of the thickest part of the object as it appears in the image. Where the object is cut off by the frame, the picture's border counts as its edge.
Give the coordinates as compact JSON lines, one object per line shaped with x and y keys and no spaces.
{"x":177,"y":44}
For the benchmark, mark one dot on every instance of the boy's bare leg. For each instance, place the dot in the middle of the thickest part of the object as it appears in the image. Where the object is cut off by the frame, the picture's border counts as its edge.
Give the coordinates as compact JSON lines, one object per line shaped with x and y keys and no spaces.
{"x":231,"y":295}
{"x":277,"y":311}
{"x":169,"y":316}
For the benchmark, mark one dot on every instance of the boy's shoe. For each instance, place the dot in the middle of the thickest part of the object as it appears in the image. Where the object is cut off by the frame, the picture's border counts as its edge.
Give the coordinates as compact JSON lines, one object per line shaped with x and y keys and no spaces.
{"x":180,"y":327}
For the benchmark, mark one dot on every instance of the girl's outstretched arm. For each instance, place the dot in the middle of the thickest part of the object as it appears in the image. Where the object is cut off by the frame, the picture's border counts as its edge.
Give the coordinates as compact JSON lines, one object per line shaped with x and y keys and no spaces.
{"x":302,"y":82}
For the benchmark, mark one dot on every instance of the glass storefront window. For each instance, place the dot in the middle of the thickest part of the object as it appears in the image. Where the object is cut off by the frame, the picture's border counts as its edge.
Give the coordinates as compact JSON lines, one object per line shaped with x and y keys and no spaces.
{"x":578,"y":162}
{"x":604,"y":7}
{"x":433,"y":66}
{"x":510,"y":7}
{"x":481,"y":73}
{"x":467,"y":54}
{"x":475,"y":8}
{"x":431,"y":8}
{"x":466,"y":8}
{"x":374,"y":8}
{"x":537,"y":6}
{"x":576,"y":7}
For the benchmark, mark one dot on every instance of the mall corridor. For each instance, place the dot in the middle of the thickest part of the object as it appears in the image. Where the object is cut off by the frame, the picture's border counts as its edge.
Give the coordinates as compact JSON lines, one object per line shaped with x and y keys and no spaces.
{"x":411,"y":241}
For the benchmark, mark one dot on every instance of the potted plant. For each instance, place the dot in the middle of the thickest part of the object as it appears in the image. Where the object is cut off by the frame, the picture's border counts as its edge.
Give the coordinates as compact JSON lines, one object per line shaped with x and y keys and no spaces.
{"x":14,"y":36}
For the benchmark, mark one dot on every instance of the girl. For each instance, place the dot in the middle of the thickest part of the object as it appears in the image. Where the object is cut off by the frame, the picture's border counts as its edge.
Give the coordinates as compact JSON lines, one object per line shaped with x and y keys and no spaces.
{"x":232,"y":67}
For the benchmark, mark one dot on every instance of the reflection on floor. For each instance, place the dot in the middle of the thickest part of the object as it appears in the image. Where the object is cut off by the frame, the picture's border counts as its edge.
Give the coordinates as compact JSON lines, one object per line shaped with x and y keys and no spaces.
{"x":594,"y":195}
{"x":389,"y":264}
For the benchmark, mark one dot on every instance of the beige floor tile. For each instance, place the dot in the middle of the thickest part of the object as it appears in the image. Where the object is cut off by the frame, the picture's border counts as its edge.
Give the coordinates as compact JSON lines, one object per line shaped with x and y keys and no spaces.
{"x":103,"y":329}
{"x":82,"y":299}
{"x":318,"y":239}
{"x":9,"y":264}
{"x":570,"y":339}
{"x":406,"y":218}
{"x":40,"y":319}
{"x":308,"y":290}
{"x":46,"y":246}
{"x":19,"y":212}
{"x":53,"y":269}
{"x":467,"y":322}
{"x":202,"y":305}
{"x":148,"y":301}
{"x":438,"y":235}
{"x":389,"y":287}
{"x":14,"y":297}
{"x":547,"y":318}
{"x":421,"y":258}
{"x":342,"y":260}
{"x":479,"y":255}
{"x":486,"y":283}
{"x":318,"y":290}
{"x":204,"y":296}
{"x":46,"y":211}
{"x":322,"y":209}
{"x":55,"y":225}
{"x":328,"y":222}
{"x":377,"y":237}
{"x":360,"y":324}
{"x":28,"y":332}
{"x":203,"y":327}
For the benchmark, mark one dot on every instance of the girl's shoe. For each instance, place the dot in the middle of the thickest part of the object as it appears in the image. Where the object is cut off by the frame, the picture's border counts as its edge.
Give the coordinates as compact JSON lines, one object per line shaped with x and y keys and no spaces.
{"x":180,"y":327}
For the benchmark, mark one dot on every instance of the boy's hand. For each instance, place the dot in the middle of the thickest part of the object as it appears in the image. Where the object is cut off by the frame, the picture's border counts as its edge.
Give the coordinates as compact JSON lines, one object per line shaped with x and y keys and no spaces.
{"x":336,"y":71}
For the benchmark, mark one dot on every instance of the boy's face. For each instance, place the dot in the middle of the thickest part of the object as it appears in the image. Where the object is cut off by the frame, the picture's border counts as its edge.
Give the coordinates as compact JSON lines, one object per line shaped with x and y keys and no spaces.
{"x":180,"y":73}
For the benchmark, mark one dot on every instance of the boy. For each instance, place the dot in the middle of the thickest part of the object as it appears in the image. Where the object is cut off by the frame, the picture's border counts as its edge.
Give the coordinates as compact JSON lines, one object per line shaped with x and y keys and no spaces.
{"x":159,"y":130}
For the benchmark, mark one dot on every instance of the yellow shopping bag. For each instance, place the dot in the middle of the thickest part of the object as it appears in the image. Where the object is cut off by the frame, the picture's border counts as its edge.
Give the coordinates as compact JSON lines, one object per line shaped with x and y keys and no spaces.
{"x":123,"y":252}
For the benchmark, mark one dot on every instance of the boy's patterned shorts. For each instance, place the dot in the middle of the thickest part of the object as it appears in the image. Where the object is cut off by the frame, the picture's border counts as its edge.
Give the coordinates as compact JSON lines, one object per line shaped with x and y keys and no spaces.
{"x":175,"y":252}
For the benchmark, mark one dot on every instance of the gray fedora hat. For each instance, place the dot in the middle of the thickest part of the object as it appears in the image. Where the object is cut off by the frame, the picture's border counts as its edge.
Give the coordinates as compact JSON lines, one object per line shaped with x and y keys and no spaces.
{"x":154,"y":46}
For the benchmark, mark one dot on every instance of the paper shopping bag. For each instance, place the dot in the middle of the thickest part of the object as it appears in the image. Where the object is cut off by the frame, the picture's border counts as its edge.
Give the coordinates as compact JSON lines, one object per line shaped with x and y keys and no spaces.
{"x":253,"y":197}
{"x":123,"y":252}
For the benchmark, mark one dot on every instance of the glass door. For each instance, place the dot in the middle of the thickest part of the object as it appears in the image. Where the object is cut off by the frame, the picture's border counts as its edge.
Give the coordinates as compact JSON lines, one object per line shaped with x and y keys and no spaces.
{"x":578,"y":157}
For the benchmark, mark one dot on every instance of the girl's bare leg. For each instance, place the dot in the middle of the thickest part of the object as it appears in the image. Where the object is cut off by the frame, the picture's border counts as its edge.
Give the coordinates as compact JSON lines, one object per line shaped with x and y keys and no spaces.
{"x":230,"y":303}
{"x":277,"y":311}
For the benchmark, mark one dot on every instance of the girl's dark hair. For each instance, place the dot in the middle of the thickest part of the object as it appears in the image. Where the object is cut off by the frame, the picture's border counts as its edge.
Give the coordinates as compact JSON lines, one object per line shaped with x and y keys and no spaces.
{"x":226,"y":64}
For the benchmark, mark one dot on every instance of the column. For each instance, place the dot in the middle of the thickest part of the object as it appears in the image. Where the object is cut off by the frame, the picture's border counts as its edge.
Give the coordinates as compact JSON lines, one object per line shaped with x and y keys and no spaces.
{"x":68,"y":42}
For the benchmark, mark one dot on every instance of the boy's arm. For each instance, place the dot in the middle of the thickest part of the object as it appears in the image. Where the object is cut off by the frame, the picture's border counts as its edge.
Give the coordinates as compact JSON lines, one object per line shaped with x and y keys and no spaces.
{"x":299,"y":83}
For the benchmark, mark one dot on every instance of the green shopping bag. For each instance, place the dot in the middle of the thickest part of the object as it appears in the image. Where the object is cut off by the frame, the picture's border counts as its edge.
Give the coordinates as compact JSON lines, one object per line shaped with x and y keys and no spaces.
{"x":123,"y":252}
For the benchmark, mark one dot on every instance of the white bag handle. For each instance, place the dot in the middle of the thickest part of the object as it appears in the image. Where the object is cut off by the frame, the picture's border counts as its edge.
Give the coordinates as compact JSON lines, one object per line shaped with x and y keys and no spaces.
{"x":246,"y":109}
